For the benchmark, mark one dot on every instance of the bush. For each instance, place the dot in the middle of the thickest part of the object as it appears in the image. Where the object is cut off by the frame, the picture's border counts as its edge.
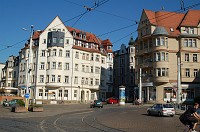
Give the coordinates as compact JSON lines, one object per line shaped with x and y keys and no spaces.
{"x":20,"y":102}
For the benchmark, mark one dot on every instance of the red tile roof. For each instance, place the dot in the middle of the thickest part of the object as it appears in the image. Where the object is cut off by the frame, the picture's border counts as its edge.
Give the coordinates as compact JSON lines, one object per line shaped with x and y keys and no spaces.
{"x":36,"y":34}
{"x":173,"y":20}
{"x":89,"y":36}
{"x":192,"y":18}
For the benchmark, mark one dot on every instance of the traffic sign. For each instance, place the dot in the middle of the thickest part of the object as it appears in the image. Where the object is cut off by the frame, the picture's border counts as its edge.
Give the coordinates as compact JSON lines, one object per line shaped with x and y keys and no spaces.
{"x":27,"y":96}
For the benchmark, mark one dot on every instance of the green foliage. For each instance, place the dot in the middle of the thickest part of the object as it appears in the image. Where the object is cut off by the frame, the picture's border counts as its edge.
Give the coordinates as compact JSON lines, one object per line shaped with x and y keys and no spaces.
{"x":20,"y":102}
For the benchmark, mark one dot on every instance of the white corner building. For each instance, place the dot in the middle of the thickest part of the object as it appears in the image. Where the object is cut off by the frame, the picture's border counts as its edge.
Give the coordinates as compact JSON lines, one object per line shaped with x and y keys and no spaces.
{"x":67,"y":65}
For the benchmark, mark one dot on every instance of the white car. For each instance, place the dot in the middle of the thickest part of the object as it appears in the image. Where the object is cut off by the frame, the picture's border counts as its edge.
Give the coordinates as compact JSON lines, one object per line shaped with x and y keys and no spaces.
{"x":161,"y":110}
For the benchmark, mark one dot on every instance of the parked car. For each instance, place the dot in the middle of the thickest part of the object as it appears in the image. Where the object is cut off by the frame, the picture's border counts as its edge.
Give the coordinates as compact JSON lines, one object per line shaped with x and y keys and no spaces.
{"x":96,"y":103}
{"x":11,"y":102}
{"x":112,"y":100}
{"x":161,"y":110}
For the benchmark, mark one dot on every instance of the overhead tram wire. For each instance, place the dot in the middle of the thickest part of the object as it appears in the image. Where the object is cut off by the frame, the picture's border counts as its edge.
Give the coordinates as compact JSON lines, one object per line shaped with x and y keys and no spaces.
{"x":9,"y":46}
{"x":80,"y":16}
{"x":181,"y":10}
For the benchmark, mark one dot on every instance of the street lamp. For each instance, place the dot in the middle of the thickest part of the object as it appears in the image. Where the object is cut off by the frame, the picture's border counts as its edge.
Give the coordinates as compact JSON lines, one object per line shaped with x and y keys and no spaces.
{"x":29,"y":64}
{"x":178,"y":79}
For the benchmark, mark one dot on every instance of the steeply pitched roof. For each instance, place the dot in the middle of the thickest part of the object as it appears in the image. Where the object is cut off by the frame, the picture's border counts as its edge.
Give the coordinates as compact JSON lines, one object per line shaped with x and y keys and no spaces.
{"x":192,"y":18}
{"x":89,"y":36}
{"x":168,"y":20}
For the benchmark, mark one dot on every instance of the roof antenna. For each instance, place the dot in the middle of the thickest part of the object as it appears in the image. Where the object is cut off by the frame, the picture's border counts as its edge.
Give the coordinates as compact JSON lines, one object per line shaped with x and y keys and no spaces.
{"x":182,"y":5}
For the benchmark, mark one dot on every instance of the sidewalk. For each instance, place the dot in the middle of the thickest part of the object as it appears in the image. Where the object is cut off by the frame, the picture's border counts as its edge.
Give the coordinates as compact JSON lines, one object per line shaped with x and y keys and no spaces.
{"x":49,"y":110}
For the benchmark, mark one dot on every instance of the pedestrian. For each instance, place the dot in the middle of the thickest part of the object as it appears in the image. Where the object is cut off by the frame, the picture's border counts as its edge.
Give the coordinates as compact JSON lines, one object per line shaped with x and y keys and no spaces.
{"x":190,"y":117}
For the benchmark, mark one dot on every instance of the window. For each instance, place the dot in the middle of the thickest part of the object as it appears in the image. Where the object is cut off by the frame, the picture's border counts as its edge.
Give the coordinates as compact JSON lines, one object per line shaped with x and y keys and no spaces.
{"x":97,"y":70}
{"x":187,"y":57}
{"x":157,"y":41}
{"x":158,"y":72}
{"x":194,"y":57}
{"x":91,"y":81}
{"x":92,"y":57}
{"x":76,"y":80}
{"x":60,"y":53}
{"x":40,"y":92}
{"x":83,"y":56}
{"x":185,"y":42}
{"x":96,"y":81}
{"x":163,"y":56}
{"x":190,"y":43}
{"x":194,"y":43}
{"x":44,"y":41}
{"x":53,"y":79}
{"x":41,"y":78}
{"x":92,"y":69}
{"x":157,"y":56}
{"x":75,"y":93}
{"x":54,"y":65}
{"x":59,"y":65}
{"x":109,"y":47}
{"x":59,"y":78}
{"x":97,"y":58}
{"x":166,"y":56}
{"x":86,"y":81}
{"x":77,"y":55}
{"x":42,"y":66}
{"x":66,"y":79}
{"x":187,"y":72}
{"x":83,"y":68}
{"x":67,"y":53}
{"x":66,"y":66}
{"x":60,"y":93}
{"x":87,"y":56}
{"x":43,"y":53}
{"x":54,"y":40}
{"x":82,"y":80}
{"x":191,"y":30}
{"x":61,"y":40}
{"x":162,"y":41}
{"x":67,"y":41}
{"x":65,"y":93}
{"x":76,"y":67}
{"x":195,"y":72}
{"x":54,"y":52}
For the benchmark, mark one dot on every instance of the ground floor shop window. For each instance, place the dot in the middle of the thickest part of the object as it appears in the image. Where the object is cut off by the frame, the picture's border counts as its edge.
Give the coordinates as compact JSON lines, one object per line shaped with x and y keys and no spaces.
{"x":169,"y":94}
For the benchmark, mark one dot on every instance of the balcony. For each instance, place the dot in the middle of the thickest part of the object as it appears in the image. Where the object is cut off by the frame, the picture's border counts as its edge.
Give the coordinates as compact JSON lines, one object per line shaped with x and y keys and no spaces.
{"x":163,"y":79}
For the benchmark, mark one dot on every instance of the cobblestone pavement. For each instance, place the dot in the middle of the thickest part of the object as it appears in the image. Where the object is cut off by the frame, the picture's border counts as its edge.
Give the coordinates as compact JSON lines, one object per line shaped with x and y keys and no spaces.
{"x":79,"y":117}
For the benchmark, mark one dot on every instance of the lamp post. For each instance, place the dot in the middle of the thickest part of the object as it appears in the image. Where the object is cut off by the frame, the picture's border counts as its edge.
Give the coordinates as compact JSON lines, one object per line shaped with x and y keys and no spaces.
{"x":178,"y":79}
{"x":140,"y":85}
{"x":29,"y":64}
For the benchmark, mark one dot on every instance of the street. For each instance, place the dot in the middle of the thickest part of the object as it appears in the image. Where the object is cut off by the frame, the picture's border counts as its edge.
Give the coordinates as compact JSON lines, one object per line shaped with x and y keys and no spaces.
{"x":81,"y":118}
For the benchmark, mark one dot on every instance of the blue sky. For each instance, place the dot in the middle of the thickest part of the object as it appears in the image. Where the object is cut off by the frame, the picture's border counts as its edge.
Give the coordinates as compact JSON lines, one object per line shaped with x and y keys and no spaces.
{"x":112,"y":15}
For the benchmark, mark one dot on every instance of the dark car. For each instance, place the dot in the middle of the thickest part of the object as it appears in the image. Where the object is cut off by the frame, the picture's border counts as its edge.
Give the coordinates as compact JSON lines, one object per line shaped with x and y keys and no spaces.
{"x":112,"y":101}
{"x":96,"y":103}
{"x":11,"y":102}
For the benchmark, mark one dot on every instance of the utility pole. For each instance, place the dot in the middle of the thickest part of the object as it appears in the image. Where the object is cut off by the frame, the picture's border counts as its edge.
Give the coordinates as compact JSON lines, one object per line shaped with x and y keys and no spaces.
{"x":29,"y":68}
{"x":140,"y":85}
{"x":178,"y":79}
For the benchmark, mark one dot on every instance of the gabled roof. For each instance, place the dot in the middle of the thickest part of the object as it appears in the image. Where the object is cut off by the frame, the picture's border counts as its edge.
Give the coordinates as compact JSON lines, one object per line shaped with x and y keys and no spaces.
{"x":192,"y":18}
{"x":36,"y":34}
{"x":168,"y":20}
{"x":89,"y":36}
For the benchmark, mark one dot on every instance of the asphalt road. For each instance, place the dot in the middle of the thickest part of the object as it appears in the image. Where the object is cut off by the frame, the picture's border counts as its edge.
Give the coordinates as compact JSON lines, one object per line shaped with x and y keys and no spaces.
{"x":81,"y":118}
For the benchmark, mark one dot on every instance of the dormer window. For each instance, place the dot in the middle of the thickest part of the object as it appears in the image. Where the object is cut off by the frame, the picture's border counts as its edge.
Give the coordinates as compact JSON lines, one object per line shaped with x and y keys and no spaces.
{"x":74,"y":33}
{"x":84,"y":37}
{"x":109,"y":47}
{"x":172,"y":29}
{"x":80,"y":35}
